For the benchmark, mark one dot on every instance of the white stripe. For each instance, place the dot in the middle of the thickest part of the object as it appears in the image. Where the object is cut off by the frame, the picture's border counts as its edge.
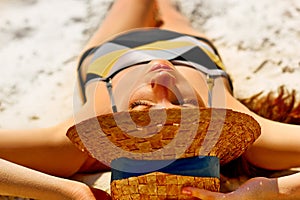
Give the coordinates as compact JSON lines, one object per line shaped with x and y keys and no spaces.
{"x":194,"y":41}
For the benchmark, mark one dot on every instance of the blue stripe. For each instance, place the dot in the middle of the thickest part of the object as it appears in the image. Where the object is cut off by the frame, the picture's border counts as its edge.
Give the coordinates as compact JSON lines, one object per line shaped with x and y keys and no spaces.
{"x":204,"y":166}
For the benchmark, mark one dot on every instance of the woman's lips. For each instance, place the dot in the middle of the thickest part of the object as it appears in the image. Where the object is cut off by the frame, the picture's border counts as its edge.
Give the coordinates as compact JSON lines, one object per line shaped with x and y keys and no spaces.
{"x":161,"y":67}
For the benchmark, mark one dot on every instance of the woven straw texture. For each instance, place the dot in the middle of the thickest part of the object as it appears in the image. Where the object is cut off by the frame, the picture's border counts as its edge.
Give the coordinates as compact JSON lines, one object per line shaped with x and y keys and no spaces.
{"x":158,"y":186}
{"x":166,"y":134}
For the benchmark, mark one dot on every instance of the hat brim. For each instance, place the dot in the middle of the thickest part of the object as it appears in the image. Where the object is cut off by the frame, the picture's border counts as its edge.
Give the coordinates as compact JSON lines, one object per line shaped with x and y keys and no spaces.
{"x":166,"y":134}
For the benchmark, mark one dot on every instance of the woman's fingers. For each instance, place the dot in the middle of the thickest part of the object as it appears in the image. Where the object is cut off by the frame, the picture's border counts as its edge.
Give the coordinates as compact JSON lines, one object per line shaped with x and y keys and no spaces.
{"x":202,"y":194}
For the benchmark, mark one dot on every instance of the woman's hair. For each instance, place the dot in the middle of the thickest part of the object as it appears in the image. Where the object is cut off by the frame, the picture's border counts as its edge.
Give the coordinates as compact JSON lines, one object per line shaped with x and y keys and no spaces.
{"x":279,"y":106}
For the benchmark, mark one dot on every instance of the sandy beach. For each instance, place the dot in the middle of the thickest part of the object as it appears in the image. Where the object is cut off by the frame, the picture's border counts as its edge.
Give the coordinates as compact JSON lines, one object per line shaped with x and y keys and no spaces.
{"x":40,"y":40}
{"x":38,"y":49}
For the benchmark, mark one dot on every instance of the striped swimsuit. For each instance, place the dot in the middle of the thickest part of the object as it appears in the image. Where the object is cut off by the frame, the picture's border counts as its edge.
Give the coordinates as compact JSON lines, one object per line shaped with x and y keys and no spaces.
{"x":141,"y":46}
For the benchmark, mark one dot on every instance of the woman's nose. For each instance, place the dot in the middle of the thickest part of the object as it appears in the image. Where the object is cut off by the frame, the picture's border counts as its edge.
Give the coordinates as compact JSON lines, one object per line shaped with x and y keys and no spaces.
{"x":164,"y":89}
{"x":162,"y":74}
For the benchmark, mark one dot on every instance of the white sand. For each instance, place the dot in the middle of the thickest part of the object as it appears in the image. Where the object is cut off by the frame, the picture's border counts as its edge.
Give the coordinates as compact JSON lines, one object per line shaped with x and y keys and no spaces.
{"x":39,"y":42}
{"x":40,"y":39}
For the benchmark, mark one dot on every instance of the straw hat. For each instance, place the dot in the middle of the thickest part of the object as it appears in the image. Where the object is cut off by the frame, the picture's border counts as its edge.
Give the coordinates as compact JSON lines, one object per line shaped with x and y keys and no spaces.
{"x":167,"y":134}
{"x":159,"y":186}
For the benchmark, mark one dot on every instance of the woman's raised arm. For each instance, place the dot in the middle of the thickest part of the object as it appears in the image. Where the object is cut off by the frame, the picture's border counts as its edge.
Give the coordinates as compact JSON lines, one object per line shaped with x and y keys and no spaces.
{"x":47,"y":149}
{"x":278,"y":147}
{"x":20,"y":181}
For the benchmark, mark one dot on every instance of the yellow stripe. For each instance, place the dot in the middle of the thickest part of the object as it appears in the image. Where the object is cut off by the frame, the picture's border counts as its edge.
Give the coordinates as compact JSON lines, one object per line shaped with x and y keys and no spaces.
{"x":214,"y":58}
{"x":176,"y":44}
{"x":103,"y":64}
{"x":165,"y":45}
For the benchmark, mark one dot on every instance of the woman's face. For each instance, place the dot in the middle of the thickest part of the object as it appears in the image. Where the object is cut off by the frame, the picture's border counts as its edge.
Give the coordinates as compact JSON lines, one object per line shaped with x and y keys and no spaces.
{"x":158,"y":84}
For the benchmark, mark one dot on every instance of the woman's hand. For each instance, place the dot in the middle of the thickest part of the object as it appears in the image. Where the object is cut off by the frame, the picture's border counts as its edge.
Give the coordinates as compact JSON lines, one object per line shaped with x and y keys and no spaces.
{"x":255,"y":188}
{"x":82,"y":192}
{"x":100,"y":194}
{"x":21,"y":181}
